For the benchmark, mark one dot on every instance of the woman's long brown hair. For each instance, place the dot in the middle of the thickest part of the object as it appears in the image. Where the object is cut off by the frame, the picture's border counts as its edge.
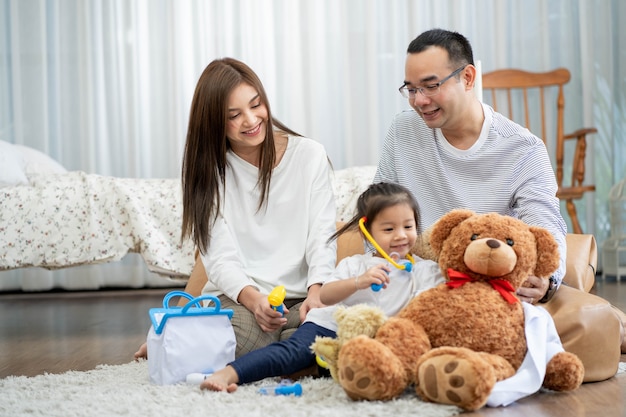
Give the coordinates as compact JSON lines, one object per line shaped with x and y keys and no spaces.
{"x":204,"y":159}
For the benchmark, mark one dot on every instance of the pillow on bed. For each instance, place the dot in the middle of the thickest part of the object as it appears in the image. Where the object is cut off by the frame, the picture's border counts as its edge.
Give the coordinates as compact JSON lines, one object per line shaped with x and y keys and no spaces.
{"x":37,"y":162}
{"x":11,"y":166}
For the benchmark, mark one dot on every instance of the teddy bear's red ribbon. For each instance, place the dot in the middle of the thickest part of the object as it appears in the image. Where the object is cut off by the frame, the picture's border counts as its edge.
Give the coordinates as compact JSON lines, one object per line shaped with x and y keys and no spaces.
{"x":458,"y":279}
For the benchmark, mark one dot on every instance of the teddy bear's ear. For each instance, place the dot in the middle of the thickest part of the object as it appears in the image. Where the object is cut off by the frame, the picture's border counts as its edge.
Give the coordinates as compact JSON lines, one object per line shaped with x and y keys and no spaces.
{"x":422,"y":246}
{"x":442,"y":228}
{"x":548,"y":255}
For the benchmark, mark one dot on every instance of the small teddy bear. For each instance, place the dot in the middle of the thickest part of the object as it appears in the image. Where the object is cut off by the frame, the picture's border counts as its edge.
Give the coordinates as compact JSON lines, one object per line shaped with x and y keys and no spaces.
{"x":359,"y":319}
{"x":457,"y":340}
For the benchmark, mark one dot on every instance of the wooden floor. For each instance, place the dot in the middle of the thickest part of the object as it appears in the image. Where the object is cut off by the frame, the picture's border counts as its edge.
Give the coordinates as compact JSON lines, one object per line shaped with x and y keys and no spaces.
{"x":60,"y":331}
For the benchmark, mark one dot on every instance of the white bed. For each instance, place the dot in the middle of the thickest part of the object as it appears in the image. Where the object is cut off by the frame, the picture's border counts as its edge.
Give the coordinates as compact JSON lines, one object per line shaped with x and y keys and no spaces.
{"x":55,"y":226}
{"x":79,"y":231}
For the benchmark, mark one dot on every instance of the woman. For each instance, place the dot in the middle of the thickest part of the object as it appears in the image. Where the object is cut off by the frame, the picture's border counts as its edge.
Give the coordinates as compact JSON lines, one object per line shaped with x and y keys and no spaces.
{"x":258,"y":204}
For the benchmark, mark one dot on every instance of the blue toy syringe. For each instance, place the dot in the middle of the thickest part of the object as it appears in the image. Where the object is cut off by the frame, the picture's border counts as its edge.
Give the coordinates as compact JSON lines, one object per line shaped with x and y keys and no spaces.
{"x":284,"y":388}
{"x":404,"y":264}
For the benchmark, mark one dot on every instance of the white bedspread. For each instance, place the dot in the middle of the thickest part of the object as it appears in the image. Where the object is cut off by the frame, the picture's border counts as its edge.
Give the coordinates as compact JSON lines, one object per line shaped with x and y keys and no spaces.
{"x":74,"y":225}
{"x":75,"y":218}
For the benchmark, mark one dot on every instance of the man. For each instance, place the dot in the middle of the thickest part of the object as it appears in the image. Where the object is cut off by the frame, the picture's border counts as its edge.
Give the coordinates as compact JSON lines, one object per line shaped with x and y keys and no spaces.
{"x":452,"y":151}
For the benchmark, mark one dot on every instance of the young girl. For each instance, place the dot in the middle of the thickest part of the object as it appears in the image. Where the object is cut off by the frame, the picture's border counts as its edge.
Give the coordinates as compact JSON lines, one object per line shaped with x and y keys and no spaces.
{"x":390,"y":216}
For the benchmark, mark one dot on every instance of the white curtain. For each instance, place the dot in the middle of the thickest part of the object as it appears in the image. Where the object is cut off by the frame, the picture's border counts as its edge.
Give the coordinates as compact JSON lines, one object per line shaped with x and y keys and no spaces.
{"x":104,"y":86}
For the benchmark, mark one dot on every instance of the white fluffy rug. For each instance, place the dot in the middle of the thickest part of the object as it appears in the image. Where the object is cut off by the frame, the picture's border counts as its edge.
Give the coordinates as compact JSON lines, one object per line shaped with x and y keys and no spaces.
{"x":125,"y":390}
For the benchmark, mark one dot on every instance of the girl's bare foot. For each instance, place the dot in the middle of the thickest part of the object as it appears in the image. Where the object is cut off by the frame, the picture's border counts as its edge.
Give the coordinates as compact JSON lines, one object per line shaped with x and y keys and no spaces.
{"x":223,"y":380}
{"x":142,"y":353}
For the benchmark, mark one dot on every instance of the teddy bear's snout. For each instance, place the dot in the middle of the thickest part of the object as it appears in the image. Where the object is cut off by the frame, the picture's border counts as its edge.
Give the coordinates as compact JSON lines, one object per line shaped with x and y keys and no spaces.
{"x":490,"y":257}
{"x":493,"y":244}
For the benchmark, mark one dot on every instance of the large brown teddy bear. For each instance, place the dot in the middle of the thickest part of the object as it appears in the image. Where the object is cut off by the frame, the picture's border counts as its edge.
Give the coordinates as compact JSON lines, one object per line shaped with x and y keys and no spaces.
{"x":455,"y":341}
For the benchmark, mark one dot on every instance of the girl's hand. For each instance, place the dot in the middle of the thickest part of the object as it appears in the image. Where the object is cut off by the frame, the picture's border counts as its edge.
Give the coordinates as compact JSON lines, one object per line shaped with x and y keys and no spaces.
{"x":312,"y":301}
{"x":337,"y":291}
{"x":377,"y":275}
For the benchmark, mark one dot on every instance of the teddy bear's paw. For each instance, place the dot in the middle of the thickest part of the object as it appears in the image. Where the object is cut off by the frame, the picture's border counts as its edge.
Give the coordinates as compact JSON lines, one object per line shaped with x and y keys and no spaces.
{"x":450,"y":379}
{"x":368,"y":370}
{"x":360,"y":384}
{"x":564,"y":372}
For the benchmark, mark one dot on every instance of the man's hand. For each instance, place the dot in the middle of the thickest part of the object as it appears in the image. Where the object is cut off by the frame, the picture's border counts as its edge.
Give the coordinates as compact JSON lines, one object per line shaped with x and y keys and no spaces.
{"x":533,"y":289}
{"x":312,"y":301}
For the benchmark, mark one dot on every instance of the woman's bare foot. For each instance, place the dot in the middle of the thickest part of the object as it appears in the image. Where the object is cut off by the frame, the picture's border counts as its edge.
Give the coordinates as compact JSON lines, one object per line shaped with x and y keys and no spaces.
{"x":142,"y":353}
{"x":223,"y":380}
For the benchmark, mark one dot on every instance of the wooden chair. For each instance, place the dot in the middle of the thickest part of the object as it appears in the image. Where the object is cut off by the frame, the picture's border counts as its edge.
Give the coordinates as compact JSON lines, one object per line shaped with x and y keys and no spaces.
{"x":532,"y":92}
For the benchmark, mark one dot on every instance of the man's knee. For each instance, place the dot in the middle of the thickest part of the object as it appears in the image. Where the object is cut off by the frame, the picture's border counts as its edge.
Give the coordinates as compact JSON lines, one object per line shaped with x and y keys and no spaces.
{"x":588,"y":327}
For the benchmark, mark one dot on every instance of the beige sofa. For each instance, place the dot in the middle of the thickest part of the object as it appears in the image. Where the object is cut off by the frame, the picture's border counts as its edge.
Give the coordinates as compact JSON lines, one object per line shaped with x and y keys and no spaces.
{"x":588,"y":325}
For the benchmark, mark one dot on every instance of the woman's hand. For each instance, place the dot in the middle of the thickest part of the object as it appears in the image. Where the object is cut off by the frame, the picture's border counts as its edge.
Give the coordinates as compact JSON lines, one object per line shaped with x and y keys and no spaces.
{"x":312,"y":301}
{"x":266,"y":317}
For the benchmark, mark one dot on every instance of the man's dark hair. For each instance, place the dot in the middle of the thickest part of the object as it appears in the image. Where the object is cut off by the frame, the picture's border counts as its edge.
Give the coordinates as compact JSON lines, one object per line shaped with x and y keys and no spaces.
{"x":457,"y":45}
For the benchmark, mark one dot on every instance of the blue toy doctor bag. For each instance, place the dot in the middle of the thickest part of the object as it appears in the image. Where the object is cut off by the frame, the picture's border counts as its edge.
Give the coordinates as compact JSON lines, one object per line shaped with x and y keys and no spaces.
{"x":189,"y":339}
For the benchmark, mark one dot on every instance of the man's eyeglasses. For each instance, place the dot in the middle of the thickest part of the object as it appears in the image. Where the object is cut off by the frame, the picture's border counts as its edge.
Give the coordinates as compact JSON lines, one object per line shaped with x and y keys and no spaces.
{"x":428,"y":90}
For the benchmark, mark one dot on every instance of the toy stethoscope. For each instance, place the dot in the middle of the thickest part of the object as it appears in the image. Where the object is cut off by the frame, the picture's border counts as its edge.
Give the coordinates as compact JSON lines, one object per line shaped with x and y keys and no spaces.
{"x":406,"y":265}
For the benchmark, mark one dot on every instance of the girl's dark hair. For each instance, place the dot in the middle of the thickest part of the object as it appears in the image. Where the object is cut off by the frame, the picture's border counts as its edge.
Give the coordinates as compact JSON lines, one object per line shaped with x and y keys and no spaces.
{"x":204,"y":159}
{"x":376,"y":198}
{"x":457,"y":45}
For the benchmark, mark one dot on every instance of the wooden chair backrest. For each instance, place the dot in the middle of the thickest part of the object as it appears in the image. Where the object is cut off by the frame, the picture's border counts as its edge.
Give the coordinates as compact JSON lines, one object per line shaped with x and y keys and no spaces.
{"x":505,"y":83}
{"x":526,"y":98}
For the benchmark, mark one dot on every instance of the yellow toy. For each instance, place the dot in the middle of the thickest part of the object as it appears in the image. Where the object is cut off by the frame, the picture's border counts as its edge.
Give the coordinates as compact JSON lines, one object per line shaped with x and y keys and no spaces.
{"x":276,"y":298}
